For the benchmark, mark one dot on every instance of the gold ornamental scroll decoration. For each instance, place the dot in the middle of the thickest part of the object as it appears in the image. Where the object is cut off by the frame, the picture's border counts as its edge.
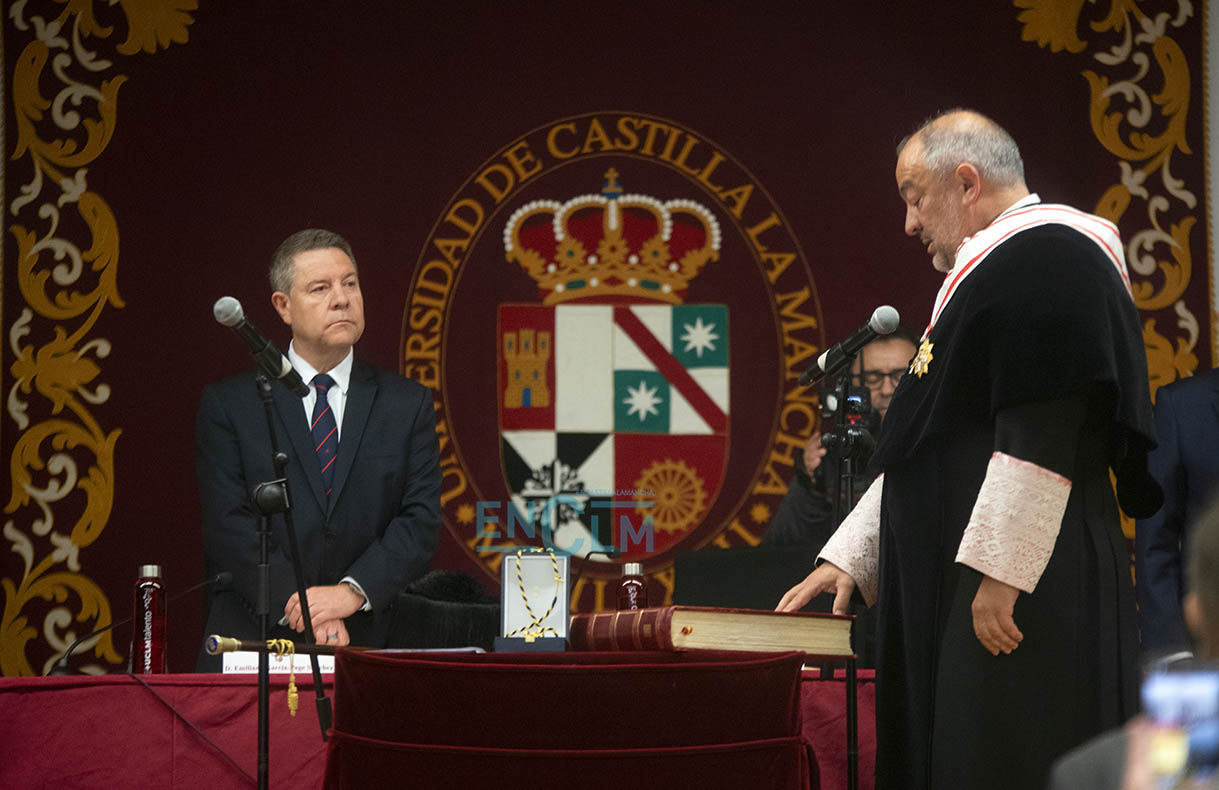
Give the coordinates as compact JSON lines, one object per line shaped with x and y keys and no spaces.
{"x":1139,"y":104}
{"x":64,"y":92}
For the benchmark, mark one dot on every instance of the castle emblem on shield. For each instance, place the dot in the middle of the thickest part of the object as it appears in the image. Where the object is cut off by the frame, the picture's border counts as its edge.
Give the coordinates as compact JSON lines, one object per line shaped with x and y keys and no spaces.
{"x":614,"y":393}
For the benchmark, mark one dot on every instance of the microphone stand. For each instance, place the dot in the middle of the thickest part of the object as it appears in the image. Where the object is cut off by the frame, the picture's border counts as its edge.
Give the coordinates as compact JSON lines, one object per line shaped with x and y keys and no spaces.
{"x":272,"y":497}
{"x":844,"y":443}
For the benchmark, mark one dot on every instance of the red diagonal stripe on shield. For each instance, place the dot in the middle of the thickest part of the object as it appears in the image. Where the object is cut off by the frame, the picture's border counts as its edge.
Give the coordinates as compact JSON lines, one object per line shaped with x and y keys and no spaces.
{"x":673,"y":371}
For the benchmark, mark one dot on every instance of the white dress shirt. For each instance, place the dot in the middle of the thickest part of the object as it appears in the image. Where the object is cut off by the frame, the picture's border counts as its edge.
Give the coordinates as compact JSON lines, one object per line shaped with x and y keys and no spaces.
{"x":336,"y":396}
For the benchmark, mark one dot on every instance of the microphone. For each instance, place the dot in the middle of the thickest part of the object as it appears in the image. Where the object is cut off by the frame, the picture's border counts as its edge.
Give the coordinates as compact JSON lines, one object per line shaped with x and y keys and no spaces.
{"x":216,"y":644}
{"x":228,"y":312}
{"x":883,"y":321}
{"x":61,"y":666}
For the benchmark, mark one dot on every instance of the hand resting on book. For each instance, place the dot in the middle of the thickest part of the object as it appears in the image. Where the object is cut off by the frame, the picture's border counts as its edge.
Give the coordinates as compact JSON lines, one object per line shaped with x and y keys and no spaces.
{"x":827,"y":577}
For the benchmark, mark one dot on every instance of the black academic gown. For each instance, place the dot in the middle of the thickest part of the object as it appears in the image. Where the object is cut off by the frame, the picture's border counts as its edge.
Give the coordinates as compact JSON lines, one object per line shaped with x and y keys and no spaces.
{"x":1038,"y":355}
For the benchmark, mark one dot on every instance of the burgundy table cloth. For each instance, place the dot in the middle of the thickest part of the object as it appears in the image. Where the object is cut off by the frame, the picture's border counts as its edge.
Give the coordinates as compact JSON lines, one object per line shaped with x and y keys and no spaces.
{"x":81,"y":732}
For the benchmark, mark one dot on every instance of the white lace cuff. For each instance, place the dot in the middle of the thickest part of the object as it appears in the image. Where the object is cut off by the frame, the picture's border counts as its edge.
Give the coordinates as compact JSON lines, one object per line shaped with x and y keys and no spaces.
{"x":1015,"y":521}
{"x":855,"y":545}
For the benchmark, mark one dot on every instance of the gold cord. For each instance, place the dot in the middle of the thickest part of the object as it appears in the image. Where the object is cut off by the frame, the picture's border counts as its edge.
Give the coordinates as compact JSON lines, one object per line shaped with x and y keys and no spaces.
{"x":285,"y":647}
{"x":534,"y":628}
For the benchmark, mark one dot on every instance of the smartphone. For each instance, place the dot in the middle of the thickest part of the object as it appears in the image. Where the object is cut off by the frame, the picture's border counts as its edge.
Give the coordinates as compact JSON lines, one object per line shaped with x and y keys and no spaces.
{"x":1183,"y":708}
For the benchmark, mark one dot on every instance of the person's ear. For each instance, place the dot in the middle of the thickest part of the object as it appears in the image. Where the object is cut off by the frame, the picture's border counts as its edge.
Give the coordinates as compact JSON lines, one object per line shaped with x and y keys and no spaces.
{"x":282,"y":305}
{"x":967,"y":178}
{"x":1194,"y":620}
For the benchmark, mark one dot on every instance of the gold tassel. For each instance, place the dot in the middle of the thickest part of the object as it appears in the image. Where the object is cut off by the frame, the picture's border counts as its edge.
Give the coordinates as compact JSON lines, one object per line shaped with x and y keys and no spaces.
{"x":285,"y":647}
{"x":294,"y":700}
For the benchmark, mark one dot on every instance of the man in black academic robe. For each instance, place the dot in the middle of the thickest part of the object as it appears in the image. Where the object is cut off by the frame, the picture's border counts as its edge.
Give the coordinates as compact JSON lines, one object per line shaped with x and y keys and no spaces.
{"x":991,"y":544}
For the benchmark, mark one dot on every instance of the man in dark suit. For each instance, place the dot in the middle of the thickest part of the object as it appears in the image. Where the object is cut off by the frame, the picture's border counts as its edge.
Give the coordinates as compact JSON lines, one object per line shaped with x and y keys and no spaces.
{"x":363,"y":467}
{"x":1186,"y":464}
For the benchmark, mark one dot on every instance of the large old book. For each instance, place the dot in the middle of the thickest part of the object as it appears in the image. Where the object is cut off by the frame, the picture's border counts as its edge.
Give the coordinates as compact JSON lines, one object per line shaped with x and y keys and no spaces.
{"x":700,"y":627}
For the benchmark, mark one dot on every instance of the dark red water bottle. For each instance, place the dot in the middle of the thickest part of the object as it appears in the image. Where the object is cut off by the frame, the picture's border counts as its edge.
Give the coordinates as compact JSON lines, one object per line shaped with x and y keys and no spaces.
{"x":148,"y":623}
{"x":632,"y":590}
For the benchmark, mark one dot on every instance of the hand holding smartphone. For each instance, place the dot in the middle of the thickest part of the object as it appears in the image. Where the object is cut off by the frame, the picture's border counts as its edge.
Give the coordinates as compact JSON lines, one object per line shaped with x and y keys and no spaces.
{"x":1181,"y":706}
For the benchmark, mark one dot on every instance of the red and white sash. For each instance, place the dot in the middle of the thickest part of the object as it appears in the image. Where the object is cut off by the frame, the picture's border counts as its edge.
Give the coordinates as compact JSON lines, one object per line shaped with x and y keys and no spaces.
{"x":1027,"y":213}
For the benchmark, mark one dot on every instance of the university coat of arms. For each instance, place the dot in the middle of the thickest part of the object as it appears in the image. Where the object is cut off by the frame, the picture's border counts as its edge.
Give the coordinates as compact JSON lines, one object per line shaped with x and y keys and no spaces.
{"x":613,"y":313}
{"x":614,"y":394}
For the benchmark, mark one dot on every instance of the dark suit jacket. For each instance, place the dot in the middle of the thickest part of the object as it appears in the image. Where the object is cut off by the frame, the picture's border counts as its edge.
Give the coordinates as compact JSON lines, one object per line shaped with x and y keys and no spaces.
{"x":1186,"y":464}
{"x":380,"y":526}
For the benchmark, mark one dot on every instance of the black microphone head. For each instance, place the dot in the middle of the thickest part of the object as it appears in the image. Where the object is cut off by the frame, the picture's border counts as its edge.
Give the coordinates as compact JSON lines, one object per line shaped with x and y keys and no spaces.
{"x":884,"y":320}
{"x":224,"y":577}
{"x":228,"y":311}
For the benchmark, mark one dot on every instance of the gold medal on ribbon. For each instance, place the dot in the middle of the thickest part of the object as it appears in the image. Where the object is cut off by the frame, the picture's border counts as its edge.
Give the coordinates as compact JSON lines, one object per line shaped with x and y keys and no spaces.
{"x":921,"y":361}
{"x":535,"y":627}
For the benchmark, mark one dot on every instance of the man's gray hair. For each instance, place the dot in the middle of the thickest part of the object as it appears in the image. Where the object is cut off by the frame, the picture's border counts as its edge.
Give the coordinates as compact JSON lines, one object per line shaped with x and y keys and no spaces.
{"x":958,"y":136}
{"x":282,"y":270}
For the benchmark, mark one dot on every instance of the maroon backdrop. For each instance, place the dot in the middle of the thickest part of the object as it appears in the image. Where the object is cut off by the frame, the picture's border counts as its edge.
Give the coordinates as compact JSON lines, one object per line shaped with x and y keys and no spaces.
{"x":255,"y":120}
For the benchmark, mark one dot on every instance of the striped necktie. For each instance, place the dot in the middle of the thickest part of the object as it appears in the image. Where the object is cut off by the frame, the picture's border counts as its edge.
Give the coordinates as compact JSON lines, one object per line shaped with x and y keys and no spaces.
{"x":325,"y":431}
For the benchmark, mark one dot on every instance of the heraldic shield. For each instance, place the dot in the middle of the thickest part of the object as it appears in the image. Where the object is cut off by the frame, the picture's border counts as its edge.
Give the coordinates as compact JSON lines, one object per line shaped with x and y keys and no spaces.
{"x":614,"y":396}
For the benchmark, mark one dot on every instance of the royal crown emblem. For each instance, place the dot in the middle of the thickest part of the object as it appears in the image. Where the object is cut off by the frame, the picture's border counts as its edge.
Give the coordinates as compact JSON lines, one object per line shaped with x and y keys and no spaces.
{"x":612,"y":245}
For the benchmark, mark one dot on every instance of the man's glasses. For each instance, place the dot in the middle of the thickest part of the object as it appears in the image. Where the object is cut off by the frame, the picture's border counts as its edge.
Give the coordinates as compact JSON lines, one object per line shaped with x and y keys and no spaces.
{"x":873,"y":378}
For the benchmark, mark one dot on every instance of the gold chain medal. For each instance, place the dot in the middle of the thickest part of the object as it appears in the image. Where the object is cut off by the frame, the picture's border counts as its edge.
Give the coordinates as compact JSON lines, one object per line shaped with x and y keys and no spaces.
{"x":918,"y":365}
{"x":647,"y":311}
